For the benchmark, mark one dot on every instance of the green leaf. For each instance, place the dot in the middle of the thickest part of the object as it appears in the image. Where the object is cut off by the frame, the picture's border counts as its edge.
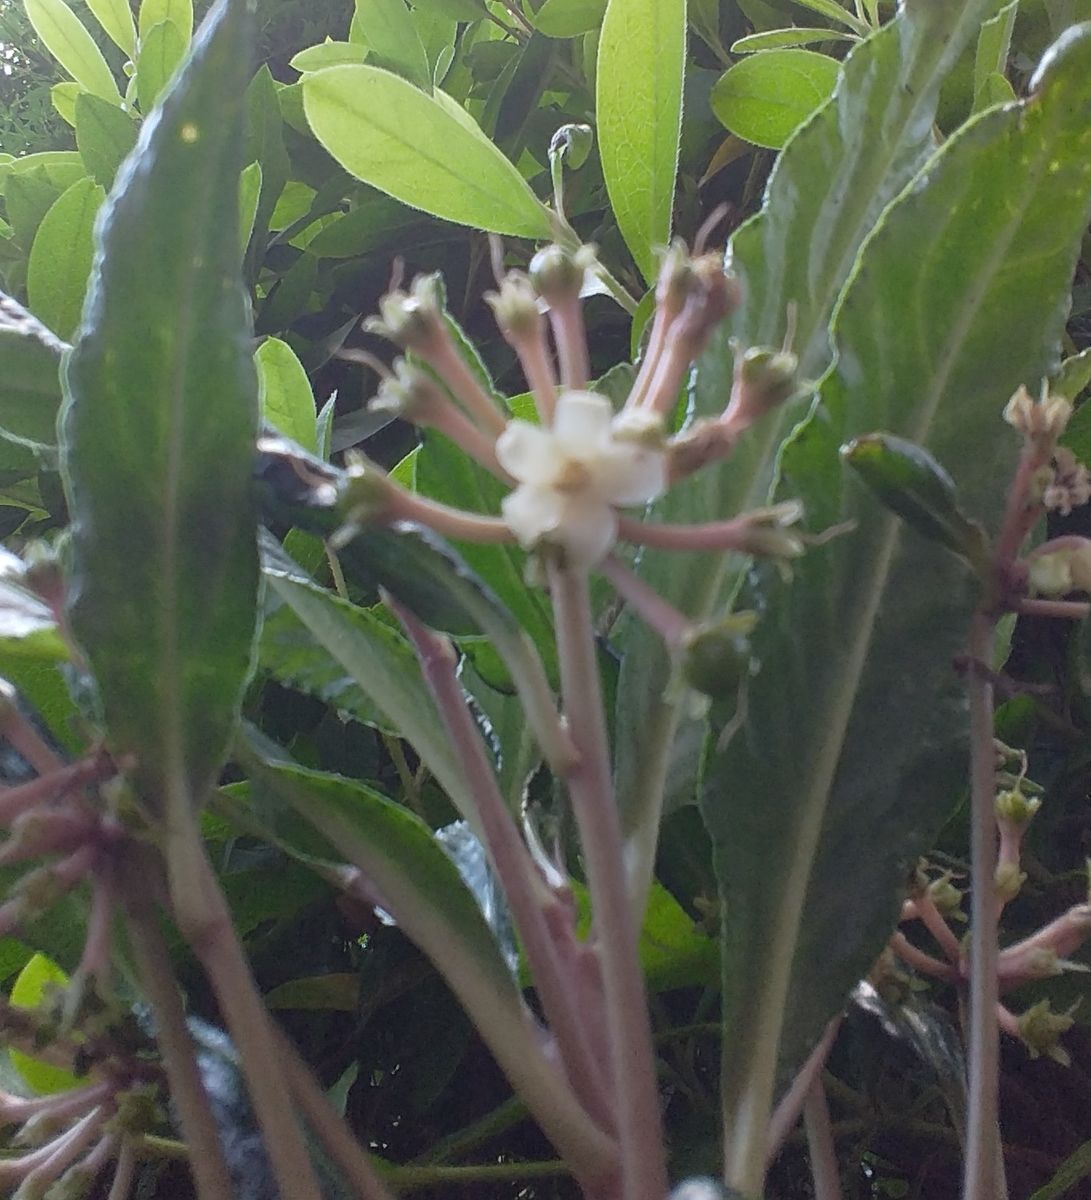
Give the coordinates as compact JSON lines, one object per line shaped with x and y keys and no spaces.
{"x":328,"y":54}
{"x":249,"y":195}
{"x":991,"y":59}
{"x":389,"y":134}
{"x":162,"y":48}
{"x":960,"y":297}
{"x":60,"y":259}
{"x":31,"y":988}
{"x":366,"y":650}
{"x":30,"y":363}
{"x":777,"y":39}
{"x":1073,"y":377}
{"x":286,"y":397}
{"x":398,"y":855}
{"x":337,"y":992}
{"x":391,"y":35}
{"x":105,"y":134}
{"x":766,"y":98}
{"x":27,"y":626}
{"x":153,"y":12}
{"x":65,"y":37}
{"x":1071,"y":1172}
{"x":834,"y":11}
{"x":825,"y":196}
{"x":638,"y":105}
{"x":458,"y":10}
{"x":569,"y":18}
{"x":116,"y":19}
{"x":372,"y":224}
{"x":265,"y":145}
{"x":157,"y":437}
{"x":64,"y":96}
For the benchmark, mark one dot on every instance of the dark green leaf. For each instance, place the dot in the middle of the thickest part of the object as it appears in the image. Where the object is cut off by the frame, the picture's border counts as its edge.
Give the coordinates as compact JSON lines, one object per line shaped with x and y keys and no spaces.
{"x":959,"y":298}
{"x":158,"y":434}
{"x":828,"y":189}
{"x":30,"y":364}
{"x":1069,"y":1174}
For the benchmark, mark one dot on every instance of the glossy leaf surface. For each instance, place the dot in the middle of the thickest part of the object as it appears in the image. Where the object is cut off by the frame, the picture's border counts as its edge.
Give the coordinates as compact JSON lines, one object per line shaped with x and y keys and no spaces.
{"x":825,"y":195}
{"x":638,"y":110}
{"x":959,"y":298}
{"x":389,"y":134}
{"x":158,"y":435}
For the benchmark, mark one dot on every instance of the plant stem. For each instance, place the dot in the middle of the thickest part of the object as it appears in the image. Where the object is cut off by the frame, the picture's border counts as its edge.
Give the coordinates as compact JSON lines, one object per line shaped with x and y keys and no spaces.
{"x":327,"y":1126}
{"x":616,"y":930}
{"x":983,"y":1179}
{"x":210,"y":1173}
{"x":407,"y":1178}
{"x":204,"y":919}
{"x":515,"y":869}
{"x":792,"y":1102}
{"x":1073,"y":610}
{"x":124,"y":1173}
{"x":492,"y":1124}
{"x":823,"y":1153}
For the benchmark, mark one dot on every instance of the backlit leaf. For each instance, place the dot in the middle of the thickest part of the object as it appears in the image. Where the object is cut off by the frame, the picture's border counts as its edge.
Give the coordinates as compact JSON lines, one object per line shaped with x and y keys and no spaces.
{"x":60,"y":259}
{"x":67,"y":39}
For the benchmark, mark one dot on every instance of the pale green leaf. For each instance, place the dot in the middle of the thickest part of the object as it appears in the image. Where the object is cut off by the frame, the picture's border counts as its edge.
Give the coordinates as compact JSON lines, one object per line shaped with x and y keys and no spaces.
{"x":249,"y":194}
{"x":766,"y":98}
{"x":328,"y":54}
{"x":388,"y":133}
{"x":569,"y":18}
{"x":116,"y":19}
{"x":64,"y":97}
{"x":638,"y":82}
{"x":105,"y":134}
{"x":778,"y":39}
{"x":60,"y":258}
{"x":162,"y":48}
{"x":834,"y":11}
{"x":286,"y":396}
{"x":991,"y":58}
{"x":391,"y":36}
{"x":66,"y":38}
{"x":35,"y":981}
{"x":152,"y":12}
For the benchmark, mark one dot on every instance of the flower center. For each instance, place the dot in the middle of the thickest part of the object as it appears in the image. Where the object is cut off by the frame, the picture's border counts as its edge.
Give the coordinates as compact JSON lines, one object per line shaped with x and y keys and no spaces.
{"x":572,"y":477}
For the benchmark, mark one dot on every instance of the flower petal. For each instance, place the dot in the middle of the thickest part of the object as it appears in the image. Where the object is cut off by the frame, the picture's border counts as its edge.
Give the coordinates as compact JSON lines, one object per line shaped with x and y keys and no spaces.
{"x":587,"y":531}
{"x":582,"y":421}
{"x":626,"y":473}
{"x":532,"y":513}
{"x":528,"y":453}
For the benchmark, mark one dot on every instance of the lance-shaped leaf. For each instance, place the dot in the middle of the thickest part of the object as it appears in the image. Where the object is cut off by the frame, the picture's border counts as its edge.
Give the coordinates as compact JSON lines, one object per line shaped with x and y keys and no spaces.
{"x":30,"y":365}
{"x":824,"y":198}
{"x":853,"y":746}
{"x":386,"y":132}
{"x":158,"y":435}
{"x":422,"y":888}
{"x":638,"y":108}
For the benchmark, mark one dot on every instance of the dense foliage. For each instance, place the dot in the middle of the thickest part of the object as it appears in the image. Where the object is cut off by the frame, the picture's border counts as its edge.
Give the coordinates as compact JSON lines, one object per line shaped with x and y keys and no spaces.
{"x":229,"y":643}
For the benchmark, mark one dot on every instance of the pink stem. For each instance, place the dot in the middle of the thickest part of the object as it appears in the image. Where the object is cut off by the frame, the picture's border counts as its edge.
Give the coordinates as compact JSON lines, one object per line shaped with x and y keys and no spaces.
{"x":616,"y":932}
{"x":1071,"y":610}
{"x":125,"y":1175}
{"x":924,"y":909}
{"x":534,"y":357}
{"x":14,"y":1110}
{"x":671,"y":625}
{"x":909,"y":953}
{"x":514,"y":867}
{"x":16,"y":800}
{"x":443,"y":357}
{"x":786,"y":1113}
{"x":453,"y":423}
{"x":40,"y":1168}
{"x":449,"y":522}
{"x":20,"y":733}
{"x":715,"y":535}
{"x":566,"y":318}
{"x":1063,"y":937}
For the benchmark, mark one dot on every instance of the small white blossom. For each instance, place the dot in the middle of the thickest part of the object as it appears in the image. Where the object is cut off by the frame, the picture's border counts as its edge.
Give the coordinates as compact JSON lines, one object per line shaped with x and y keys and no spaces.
{"x":574,"y":475}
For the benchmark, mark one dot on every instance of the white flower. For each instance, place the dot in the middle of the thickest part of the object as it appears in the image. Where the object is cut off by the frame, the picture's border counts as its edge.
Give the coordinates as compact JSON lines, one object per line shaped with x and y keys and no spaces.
{"x":574,"y":475}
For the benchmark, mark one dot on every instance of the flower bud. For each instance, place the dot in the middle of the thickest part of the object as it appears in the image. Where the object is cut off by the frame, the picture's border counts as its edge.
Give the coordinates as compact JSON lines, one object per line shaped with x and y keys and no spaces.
{"x":946,"y":897}
{"x":557,"y":274}
{"x":572,"y":144}
{"x":363,"y":498}
{"x":640,"y":426}
{"x":766,"y":378}
{"x":1016,"y":808}
{"x":407,"y":392}
{"x":1041,"y":1030}
{"x":1042,"y":420}
{"x":716,"y":657}
{"x":413,"y":318}
{"x":1060,"y":566}
{"x":911,"y":483}
{"x":1009,"y":880}
{"x":766,"y":533}
{"x":516,"y":306}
